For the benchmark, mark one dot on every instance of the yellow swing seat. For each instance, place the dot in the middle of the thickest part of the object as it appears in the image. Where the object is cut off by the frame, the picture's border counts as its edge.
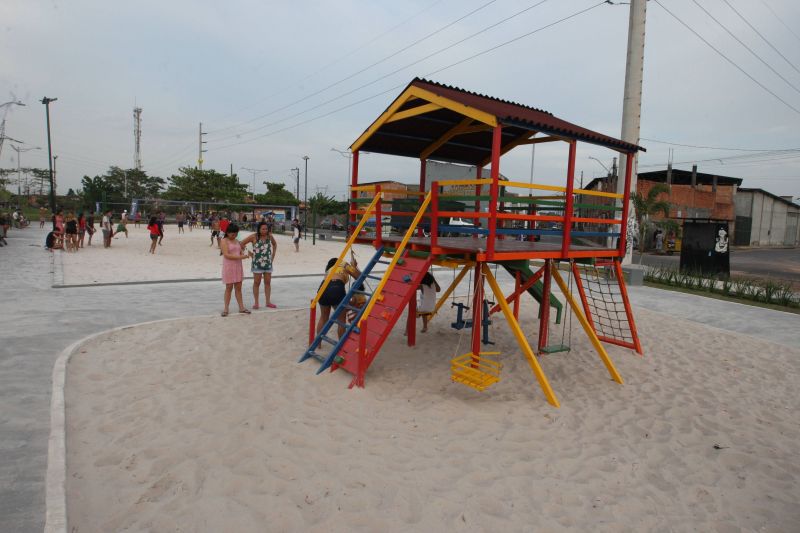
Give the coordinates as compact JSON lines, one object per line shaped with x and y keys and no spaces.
{"x":479,"y":372}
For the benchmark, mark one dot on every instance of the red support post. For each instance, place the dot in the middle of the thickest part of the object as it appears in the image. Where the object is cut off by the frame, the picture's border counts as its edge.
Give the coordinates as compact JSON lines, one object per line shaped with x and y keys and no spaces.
{"x":517,"y":283}
{"x":361,"y":368}
{"x":422,"y":181}
{"x":353,"y":194}
{"x":624,"y":292}
{"x":544,"y":320}
{"x":626,"y":200}
{"x":411,"y":323}
{"x":497,"y":139}
{"x":477,"y":305}
{"x":434,"y":214}
{"x":378,"y":242}
{"x":566,"y":239}
{"x":477,"y":220}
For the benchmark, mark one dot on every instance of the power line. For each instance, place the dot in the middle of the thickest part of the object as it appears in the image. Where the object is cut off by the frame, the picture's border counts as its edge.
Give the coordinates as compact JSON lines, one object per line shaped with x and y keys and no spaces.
{"x":342,"y":80}
{"x":391,"y":89}
{"x":739,"y":159}
{"x":412,"y":64}
{"x":762,"y":37}
{"x":729,"y":32}
{"x":718,"y":147}
{"x":726,"y":58}
{"x":780,"y":20}
{"x":327,"y":66}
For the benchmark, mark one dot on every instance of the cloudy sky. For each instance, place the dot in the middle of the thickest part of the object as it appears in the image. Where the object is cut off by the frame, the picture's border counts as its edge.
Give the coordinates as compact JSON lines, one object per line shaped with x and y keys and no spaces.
{"x":272,"y":81}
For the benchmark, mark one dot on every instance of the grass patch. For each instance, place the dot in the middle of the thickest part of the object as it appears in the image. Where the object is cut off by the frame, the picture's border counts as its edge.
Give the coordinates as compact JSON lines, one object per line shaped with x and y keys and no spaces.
{"x":727,"y":298}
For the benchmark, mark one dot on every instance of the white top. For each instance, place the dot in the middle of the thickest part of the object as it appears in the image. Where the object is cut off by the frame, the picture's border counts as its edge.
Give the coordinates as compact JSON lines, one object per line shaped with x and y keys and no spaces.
{"x":106,"y":223}
{"x":295,"y":232}
{"x":427,"y":300}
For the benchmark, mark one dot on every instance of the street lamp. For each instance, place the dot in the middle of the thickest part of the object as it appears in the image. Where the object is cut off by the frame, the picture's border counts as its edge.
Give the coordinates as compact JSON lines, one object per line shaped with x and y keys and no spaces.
{"x":349,"y":157}
{"x":47,"y":101}
{"x":601,"y":164}
{"x":305,"y":201}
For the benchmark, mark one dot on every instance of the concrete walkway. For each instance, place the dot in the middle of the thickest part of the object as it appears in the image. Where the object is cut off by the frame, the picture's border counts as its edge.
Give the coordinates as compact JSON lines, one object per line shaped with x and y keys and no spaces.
{"x":38,"y":322}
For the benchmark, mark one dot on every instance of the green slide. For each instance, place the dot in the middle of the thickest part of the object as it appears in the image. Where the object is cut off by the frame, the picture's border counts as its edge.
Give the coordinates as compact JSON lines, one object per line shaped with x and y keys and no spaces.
{"x":523,"y":267}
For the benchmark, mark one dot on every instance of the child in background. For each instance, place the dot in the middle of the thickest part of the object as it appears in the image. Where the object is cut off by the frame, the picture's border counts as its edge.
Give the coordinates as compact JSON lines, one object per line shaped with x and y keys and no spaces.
{"x":427,"y":300}
{"x":155,"y":232}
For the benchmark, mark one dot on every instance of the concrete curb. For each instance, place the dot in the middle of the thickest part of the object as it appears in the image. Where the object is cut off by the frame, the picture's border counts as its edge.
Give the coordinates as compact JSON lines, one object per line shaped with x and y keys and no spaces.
{"x":56,"y":476}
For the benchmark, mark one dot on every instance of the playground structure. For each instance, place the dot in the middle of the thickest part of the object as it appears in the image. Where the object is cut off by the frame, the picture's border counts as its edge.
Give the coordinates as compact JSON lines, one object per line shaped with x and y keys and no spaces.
{"x":559,"y":224}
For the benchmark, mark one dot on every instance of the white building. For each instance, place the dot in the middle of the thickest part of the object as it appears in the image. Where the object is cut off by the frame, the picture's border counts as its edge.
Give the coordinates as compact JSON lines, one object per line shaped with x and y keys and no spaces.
{"x":765,"y":219}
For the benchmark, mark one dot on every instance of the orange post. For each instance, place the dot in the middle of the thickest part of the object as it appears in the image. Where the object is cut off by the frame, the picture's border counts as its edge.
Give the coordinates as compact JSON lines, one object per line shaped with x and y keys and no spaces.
{"x":312,"y":324}
{"x":516,"y":294}
{"x":434,"y":227}
{"x":627,"y":303}
{"x":544,"y":321}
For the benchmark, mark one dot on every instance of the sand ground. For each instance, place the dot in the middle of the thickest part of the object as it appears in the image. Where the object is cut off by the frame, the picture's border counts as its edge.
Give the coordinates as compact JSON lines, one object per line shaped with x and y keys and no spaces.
{"x":209,"y":424}
{"x":185,"y":256}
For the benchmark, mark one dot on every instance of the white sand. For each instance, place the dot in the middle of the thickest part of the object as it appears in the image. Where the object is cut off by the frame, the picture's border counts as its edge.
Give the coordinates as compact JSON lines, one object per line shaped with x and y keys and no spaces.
{"x":185,"y":256}
{"x":209,"y":424}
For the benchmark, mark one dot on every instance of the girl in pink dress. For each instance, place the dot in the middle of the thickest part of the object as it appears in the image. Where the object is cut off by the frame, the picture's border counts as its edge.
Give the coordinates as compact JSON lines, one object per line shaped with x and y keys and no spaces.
{"x":232,"y":272}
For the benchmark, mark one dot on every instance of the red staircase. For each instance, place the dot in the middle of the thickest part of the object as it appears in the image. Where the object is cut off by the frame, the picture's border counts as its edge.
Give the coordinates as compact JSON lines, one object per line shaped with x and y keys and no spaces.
{"x":362,"y":345}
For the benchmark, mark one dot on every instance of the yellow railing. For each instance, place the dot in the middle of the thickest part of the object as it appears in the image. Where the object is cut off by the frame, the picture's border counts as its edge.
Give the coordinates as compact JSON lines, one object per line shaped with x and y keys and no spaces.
{"x":397,"y":254}
{"x":370,"y":209}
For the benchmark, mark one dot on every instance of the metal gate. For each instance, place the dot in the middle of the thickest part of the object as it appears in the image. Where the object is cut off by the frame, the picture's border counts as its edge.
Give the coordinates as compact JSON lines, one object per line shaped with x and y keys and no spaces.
{"x":791,"y":229}
{"x":741,"y":235}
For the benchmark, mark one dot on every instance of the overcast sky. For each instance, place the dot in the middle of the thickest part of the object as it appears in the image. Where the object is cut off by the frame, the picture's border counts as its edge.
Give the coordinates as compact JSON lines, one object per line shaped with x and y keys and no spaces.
{"x":269,"y":81}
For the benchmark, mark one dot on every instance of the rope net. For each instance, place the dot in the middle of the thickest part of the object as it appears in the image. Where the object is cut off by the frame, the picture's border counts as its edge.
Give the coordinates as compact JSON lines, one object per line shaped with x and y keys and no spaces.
{"x":604,"y":304}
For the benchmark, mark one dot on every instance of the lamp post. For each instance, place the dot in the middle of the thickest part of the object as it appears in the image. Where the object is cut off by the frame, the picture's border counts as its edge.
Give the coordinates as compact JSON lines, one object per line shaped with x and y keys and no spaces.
{"x":46,"y":101}
{"x":349,"y":157}
{"x":305,"y":201}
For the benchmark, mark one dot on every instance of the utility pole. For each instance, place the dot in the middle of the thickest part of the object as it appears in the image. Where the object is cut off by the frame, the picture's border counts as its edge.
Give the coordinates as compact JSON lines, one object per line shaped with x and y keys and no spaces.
{"x":632,"y":98}
{"x":46,"y":101}
{"x":6,"y":106}
{"x":200,"y":151}
{"x":254,"y":171}
{"x":55,"y":174}
{"x":305,"y":201}
{"x":137,"y":138}
{"x":296,"y":171}
{"x":19,"y":164}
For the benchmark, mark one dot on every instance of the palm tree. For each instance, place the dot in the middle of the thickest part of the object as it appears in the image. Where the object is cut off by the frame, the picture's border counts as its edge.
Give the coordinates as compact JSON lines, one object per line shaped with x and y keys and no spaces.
{"x":649,"y":205}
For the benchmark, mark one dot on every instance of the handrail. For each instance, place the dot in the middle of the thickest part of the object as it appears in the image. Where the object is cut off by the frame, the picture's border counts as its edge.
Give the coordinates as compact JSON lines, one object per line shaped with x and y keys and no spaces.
{"x":347,"y":247}
{"x":397,"y":254}
{"x":443,"y":183}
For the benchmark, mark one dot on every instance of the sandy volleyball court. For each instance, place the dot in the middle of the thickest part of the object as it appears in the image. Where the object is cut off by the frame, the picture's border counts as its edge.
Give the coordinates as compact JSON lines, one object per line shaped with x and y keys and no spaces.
{"x":184,"y":256}
{"x":209,"y":424}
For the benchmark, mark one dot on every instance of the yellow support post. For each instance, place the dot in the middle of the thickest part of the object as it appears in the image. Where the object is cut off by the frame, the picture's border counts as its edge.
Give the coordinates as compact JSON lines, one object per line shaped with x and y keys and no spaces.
{"x":452,"y":287}
{"x":587,"y":327}
{"x":370,"y":209}
{"x":521,"y":340}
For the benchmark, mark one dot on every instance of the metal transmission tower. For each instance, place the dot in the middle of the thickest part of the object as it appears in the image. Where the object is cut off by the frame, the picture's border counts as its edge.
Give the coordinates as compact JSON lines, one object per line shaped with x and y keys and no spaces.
{"x":137,"y":138}
{"x":200,"y":150}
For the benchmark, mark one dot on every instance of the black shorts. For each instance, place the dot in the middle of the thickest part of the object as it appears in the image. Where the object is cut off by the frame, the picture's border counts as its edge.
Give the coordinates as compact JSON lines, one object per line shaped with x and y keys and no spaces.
{"x":180,"y":224}
{"x":215,"y":233}
{"x":334,"y":293}
{"x":153,"y":237}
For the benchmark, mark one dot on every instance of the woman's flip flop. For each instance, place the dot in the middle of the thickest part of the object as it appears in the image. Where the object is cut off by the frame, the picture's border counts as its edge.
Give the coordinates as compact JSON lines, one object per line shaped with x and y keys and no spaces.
{"x":224,"y":313}
{"x":244,"y":311}
{"x":256,"y":306}
{"x":272,"y":306}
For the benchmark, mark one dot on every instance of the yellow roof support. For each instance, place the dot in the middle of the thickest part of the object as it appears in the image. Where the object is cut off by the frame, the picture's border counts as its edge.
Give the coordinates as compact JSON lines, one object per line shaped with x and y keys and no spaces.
{"x":414,"y":111}
{"x":449,"y":134}
{"x":413,"y":92}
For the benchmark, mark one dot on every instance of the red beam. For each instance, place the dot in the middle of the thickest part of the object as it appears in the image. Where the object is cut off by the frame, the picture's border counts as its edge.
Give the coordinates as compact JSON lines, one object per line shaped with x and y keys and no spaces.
{"x":567,"y":238}
{"x":520,"y":289}
{"x":494,"y":188}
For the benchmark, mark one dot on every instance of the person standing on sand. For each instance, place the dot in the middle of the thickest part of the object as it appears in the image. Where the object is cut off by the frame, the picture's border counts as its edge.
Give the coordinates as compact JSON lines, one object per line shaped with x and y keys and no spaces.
{"x":81,"y":228}
{"x":155,"y":232}
{"x":122,"y":227}
{"x":336,"y":291}
{"x":42,"y":216}
{"x":213,"y":223}
{"x":137,"y":219}
{"x":107,"y":229}
{"x":232,"y":272}
{"x":90,"y":226}
{"x":296,"y":234}
{"x":264,"y":251}
{"x":180,"y":218}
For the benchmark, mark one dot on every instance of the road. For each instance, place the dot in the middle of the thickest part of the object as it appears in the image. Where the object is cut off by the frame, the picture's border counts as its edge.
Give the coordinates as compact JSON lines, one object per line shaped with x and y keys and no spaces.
{"x":771,"y":263}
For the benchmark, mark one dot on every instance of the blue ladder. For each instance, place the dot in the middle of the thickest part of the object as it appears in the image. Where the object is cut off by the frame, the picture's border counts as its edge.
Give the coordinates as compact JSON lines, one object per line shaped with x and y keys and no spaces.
{"x":339,"y":317}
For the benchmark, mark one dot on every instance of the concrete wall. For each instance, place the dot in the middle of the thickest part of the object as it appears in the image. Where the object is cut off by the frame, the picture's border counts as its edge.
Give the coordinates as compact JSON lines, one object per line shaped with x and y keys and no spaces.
{"x":770,"y":218}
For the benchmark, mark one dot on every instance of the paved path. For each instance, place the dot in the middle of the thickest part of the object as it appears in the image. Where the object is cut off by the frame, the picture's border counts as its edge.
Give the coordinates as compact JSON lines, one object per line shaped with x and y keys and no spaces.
{"x":38,"y":322}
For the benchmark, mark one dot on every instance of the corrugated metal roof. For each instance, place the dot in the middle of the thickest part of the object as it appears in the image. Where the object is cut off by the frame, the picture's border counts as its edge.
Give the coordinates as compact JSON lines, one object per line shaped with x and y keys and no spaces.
{"x":409,"y":137}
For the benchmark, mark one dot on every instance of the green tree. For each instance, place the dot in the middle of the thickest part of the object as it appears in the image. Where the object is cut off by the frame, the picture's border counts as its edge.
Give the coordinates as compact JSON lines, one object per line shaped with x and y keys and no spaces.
{"x":205,"y":185}
{"x":118,"y":185}
{"x":276,"y":195}
{"x":649,"y":205}
{"x":92,"y":189}
{"x":326,"y":205}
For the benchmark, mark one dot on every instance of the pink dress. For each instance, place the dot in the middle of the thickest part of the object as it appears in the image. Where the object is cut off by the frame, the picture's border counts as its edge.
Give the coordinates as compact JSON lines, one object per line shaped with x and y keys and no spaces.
{"x":232,"y":271}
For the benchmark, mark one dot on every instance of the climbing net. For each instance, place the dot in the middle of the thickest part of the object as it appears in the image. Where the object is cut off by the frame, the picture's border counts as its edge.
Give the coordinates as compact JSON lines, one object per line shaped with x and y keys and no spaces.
{"x":605,"y":302}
